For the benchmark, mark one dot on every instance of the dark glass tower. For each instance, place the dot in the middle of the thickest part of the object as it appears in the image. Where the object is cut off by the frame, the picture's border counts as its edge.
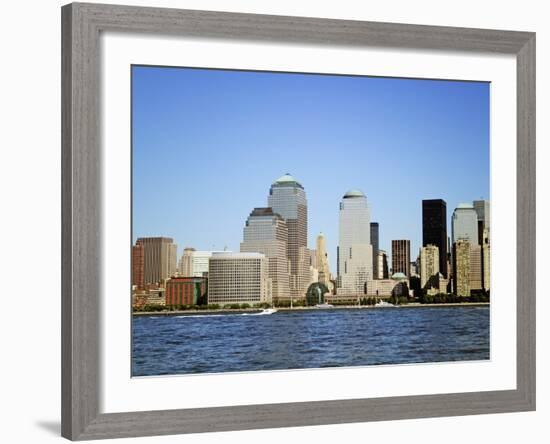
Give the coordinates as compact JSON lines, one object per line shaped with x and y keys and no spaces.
{"x":434,"y":229}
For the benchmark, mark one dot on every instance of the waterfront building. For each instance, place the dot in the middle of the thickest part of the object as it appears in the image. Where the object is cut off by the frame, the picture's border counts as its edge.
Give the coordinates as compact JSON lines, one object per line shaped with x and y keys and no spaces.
{"x":401,"y":256}
{"x":322,"y":260}
{"x":186,"y":291}
{"x":397,"y":285}
{"x":434,"y":229}
{"x":159,"y":259}
{"x":437,"y":284}
{"x":266,"y":232}
{"x":287,"y":198}
{"x":354,"y":249}
{"x":375,"y":242}
{"x":238,"y":278}
{"x":150,"y":295}
{"x":383,"y":272}
{"x":461,"y":267}
{"x":138,"y":265}
{"x":486,"y":260}
{"x":465,"y":224}
{"x":429,"y":264}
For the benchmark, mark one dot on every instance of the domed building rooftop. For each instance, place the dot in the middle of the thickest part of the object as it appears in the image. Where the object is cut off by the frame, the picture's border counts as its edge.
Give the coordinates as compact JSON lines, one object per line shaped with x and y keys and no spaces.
{"x":354,"y":193}
{"x":287,"y":180}
{"x":465,"y":205}
{"x":399,"y":276}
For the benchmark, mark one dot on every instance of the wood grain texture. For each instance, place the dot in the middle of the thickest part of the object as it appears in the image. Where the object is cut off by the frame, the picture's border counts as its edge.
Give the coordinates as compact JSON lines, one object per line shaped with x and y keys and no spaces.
{"x":81,"y":216}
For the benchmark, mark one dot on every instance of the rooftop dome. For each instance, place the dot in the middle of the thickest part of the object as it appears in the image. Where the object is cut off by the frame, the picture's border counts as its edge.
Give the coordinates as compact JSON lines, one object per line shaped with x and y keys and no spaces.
{"x":287,"y":180}
{"x":399,"y":276}
{"x":354,"y":193}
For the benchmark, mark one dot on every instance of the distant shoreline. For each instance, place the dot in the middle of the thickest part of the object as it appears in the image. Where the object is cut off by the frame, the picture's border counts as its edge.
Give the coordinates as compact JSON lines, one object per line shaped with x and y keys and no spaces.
{"x":336,"y":307}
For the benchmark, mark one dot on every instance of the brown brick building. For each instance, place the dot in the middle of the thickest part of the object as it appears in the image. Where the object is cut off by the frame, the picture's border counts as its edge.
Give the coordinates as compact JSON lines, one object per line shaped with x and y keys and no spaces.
{"x":186,"y":291}
{"x":138,"y":265}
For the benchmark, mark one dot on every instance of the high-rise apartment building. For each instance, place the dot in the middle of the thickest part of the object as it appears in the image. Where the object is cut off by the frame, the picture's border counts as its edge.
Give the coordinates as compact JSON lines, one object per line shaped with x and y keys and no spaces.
{"x":476,"y":269}
{"x":375,"y":242}
{"x":434,"y":229}
{"x":461,"y":267}
{"x":159,"y":259}
{"x":239,"y":278}
{"x":429,"y":264}
{"x":287,"y":198}
{"x":354,"y":249}
{"x":401,"y":257}
{"x":266,"y":232}
{"x":322,"y":260}
{"x":465,"y":225}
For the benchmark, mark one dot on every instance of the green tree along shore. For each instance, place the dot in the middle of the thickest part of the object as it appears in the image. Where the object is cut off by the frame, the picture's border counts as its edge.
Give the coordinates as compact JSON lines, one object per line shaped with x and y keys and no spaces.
{"x":441,"y":298}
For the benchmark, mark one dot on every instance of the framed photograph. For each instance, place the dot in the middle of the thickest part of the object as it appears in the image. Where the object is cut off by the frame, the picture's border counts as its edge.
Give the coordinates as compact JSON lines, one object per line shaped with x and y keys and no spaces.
{"x":276,"y":221}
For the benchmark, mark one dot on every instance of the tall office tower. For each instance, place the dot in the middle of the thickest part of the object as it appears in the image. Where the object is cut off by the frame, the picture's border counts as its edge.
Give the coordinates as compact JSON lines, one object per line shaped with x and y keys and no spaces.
{"x":374,"y":240}
{"x":322,"y":260}
{"x":172,"y":260}
{"x":355,"y":249}
{"x":434,"y":229}
{"x":239,"y":278}
{"x":465,"y":224}
{"x":266,"y":232}
{"x":383,"y":272}
{"x":401,"y":257}
{"x":185,"y":266}
{"x":429,"y":264}
{"x":288,"y":199}
{"x":461,"y":267}
{"x":483,"y":210}
{"x":486,"y":260}
{"x":159,"y":259}
{"x":138,"y":265}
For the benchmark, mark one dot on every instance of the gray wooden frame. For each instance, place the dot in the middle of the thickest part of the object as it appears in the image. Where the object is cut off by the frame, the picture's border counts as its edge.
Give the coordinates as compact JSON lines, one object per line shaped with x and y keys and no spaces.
{"x":81,"y":231}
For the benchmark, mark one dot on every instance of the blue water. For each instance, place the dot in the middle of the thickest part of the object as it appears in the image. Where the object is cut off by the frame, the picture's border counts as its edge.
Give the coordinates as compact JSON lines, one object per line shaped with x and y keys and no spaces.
{"x":165,"y":345}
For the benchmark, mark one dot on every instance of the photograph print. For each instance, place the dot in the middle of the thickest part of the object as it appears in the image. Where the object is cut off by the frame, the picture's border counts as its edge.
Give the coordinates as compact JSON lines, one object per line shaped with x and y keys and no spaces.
{"x":286,"y":221}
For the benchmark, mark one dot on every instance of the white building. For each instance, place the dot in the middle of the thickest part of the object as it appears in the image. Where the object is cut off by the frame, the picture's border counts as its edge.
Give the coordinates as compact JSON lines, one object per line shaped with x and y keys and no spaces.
{"x":465,"y":225}
{"x":354,"y":249}
{"x":194,"y":263}
{"x":238,"y":278}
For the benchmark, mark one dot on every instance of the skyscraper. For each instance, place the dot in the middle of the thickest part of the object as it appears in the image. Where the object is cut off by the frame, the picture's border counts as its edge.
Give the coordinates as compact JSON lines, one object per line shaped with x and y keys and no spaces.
{"x":465,"y":224}
{"x":322,"y":260}
{"x":374,"y":240}
{"x":382,"y":265}
{"x":434,"y":229}
{"x":159,"y":258}
{"x":266,"y":232}
{"x":354,"y":249}
{"x":483,"y":210}
{"x":287,"y":198}
{"x":401,"y":257}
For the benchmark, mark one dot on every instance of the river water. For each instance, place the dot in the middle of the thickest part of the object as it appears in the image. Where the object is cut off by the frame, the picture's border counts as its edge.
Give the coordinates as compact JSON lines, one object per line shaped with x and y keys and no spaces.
{"x":165,"y":345}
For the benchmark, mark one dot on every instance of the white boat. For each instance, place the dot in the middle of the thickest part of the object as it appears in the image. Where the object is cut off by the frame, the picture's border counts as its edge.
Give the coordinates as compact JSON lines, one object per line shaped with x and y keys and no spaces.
{"x":266,"y":311}
{"x":382,"y":303}
{"x":324,"y":305}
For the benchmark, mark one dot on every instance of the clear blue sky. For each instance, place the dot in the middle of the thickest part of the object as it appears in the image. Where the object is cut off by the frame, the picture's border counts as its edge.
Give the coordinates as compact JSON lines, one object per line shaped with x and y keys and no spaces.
{"x":207,"y":144}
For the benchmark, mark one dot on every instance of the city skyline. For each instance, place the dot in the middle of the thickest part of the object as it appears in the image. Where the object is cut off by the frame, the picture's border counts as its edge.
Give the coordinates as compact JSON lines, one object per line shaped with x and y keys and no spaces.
{"x":170,"y":158}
